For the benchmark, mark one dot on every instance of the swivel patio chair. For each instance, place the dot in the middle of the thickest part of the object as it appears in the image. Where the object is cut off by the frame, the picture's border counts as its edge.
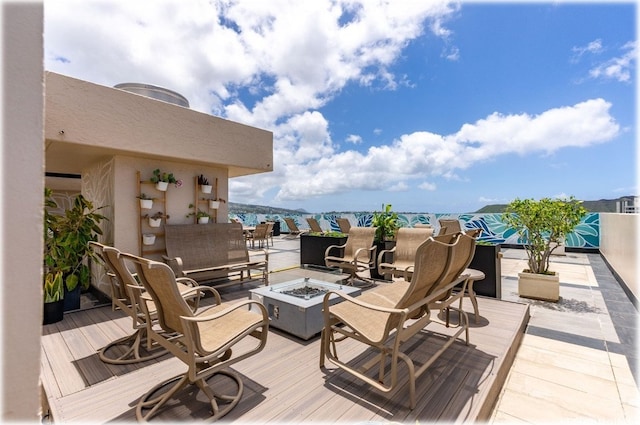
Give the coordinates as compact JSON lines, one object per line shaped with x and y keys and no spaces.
{"x":403,"y":253}
{"x":202,"y":339}
{"x":343,"y":224}
{"x":386,"y":318}
{"x":314,"y":225}
{"x":131,"y":349}
{"x":359,"y":253}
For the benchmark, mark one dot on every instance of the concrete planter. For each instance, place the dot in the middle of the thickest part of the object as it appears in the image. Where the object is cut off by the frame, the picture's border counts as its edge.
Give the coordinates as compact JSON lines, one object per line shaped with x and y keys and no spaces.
{"x":539,"y":286}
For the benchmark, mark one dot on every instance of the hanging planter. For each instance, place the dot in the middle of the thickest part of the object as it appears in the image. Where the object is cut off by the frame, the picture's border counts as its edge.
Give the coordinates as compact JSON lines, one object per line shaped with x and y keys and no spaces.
{"x":162,"y":180}
{"x":203,"y":220}
{"x":214,"y":204}
{"x":154,"y":222}
{"x":146,"y":204}
{"x":205,"y":187}
{"x":148,"y":239}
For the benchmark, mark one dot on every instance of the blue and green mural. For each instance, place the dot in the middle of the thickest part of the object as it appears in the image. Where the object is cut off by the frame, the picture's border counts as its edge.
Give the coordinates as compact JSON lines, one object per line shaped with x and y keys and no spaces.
{"x":586,"y":235}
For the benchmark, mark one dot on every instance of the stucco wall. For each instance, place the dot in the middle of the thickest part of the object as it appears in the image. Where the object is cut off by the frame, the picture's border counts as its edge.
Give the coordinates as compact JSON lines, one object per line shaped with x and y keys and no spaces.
{"x":619,"y":246}
{"x":21,"y":217}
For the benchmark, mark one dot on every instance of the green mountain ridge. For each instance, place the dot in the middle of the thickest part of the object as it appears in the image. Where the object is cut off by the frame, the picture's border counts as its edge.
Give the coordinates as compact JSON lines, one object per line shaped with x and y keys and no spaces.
{"x":601,"y":205}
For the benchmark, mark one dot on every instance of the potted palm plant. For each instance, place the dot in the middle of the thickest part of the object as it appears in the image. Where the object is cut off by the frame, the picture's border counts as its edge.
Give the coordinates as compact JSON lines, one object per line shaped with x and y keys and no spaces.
{"x":542,"y":225}
{"x":386,"y":223}
{"x":67,"y":250}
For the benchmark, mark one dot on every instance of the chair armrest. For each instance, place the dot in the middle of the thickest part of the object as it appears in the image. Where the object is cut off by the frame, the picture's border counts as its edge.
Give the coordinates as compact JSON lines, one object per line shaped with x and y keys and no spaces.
{"x":372,"y":253}
{"x":175,"y":264}
{"x":360,"y":303}
{"x":260,"y":252}
{"x":326,"y":251}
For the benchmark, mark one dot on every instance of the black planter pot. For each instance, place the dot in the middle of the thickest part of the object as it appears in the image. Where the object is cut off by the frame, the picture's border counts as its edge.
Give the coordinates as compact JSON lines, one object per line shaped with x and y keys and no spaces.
{"x":487,"y":260}
{"x":72,"y":299}
{"x":312,"y":248}
{"x":53,"y":312}
{"x":381,"y":246}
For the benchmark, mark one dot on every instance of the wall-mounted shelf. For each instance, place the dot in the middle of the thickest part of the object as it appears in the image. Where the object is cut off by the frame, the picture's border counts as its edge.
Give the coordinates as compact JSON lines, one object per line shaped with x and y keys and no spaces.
{"x":159,"y":205}
{"x":202,"y":201}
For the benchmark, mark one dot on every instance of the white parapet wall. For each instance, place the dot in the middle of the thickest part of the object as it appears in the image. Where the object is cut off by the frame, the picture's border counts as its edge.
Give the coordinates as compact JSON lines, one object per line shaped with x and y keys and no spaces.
{"x":619,"y":246}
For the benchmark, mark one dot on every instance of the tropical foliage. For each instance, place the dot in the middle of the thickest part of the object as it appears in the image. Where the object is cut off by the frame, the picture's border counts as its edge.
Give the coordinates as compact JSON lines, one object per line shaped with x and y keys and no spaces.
{"x":66,"y":245}
{"x":386,"y":223}
{"x":542,"y":225}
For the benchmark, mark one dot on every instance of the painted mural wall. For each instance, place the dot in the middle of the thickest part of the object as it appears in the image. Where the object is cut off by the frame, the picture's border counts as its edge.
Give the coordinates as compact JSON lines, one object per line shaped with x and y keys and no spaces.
{"x":586,"y":235}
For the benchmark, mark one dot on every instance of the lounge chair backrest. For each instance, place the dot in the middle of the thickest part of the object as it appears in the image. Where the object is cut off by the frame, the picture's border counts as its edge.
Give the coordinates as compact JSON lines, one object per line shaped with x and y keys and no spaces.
{"x":160,"y":282}
{"x":359,"y":237}
{"x":407,"y":242}
{"x":462,"y":254}
{"x":343,"y":224}
{"x":431,"y":265}
{"x":291,"y":224}
{"x":124,"y":277}
{"x":448,"y":226}
{"x":314,"y":225}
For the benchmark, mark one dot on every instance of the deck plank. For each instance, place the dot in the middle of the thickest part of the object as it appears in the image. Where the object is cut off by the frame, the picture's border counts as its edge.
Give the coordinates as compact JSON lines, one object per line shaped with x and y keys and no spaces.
{"x":284,"y":382}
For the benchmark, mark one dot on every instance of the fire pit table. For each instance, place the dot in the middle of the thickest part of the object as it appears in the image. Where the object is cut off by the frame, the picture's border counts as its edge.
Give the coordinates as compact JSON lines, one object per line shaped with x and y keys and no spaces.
{"x":295,"y":306}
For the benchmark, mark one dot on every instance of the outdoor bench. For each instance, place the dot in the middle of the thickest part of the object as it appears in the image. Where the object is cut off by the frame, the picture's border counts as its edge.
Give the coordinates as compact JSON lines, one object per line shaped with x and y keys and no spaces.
{"x":212,"y":252}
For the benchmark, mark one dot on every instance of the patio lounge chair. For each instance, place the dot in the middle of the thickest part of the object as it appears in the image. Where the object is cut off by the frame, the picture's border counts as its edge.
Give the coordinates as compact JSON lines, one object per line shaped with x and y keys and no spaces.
{"x":125,"y":299}
{"x":314,"y":225}
{"x":294,"y":231}
{"x":359,"y":252}
{"x":404,"y":252}
{"x":385,"y":318}
{"x":202,"y":338}
{"x":343,"y":224}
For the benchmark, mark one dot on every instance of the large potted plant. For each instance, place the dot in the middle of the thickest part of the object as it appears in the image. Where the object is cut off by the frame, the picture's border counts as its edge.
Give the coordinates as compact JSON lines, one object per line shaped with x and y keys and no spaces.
{"x":313,"y":246}
{"x":542,"y":225}
{"x":386,"y":223}
{"x":67,"y":249}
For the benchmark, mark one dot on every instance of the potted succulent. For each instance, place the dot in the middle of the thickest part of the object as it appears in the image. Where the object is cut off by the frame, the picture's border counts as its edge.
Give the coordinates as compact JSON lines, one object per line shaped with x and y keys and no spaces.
{"x":156,"y":219}
{"x":205,"y":187}
{"x":67,"y":250}
{"x":146,"y":203}
{"x":202,"y":216}
{"x":162,"y":180}
{"x":386,"y":223}
{"x":541,"y":226}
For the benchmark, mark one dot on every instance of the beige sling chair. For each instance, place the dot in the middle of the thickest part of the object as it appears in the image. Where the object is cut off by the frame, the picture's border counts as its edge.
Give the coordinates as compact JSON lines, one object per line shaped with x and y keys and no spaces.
{"x":388,"y":316}
{"x":403,"y":253}
{"x":202,"y":338}
{"x":130,"y":349}
{"x":449,"y":226}
{"x":294,"y":231}
{"x":314,"y":225}
{"x":359,"y":253}
{"x":343,"y":224}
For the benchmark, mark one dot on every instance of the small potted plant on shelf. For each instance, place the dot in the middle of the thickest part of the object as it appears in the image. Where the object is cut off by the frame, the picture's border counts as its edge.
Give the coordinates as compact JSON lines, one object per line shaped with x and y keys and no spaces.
{"x":148,"y":239}
{"x":202,"y":216}
{"x":156,"y":219}
{"x":146,"y":203}
{"x":542,"y":225}
{"x":214,"y":204}
{"x":162,"y":180}
{"x":205,"y":187}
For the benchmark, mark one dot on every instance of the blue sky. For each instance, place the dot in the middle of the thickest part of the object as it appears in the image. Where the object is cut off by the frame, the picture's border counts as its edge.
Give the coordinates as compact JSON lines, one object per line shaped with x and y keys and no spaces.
{"x":431,"y":106}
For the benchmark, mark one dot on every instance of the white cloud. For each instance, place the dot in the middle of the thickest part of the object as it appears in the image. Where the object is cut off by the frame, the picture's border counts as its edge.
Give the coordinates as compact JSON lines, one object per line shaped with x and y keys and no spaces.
{"x":617,"y":68}
{"x":593,"y":47}
{"x":353,"y":138}
{"x":427,"y":186}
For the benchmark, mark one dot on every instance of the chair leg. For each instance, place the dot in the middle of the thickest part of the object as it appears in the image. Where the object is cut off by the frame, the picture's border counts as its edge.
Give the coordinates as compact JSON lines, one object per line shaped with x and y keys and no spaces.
{"x":131,"y":354}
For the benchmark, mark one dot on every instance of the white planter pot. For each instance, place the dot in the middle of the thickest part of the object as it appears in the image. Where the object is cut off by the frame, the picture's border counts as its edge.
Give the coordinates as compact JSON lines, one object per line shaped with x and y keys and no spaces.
{"x":206,"y":188}
{"x":203,"y":220}
{"x":146,"y":204}
{"x":539,"y":286}
{"x":162,"y":186}
{"x":155,"y":222}
{"x":214,"y":205}
{"x":148,"y":239}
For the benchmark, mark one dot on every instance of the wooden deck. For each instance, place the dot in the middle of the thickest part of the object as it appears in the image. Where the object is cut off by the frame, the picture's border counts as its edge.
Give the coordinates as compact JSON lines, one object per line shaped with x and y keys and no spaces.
{"x":283,"y":383}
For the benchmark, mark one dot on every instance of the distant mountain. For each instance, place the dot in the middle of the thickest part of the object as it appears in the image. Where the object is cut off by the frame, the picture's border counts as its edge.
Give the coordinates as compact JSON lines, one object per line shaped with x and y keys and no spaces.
{"x":236,"y":208}
{"x":601,"y":205}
